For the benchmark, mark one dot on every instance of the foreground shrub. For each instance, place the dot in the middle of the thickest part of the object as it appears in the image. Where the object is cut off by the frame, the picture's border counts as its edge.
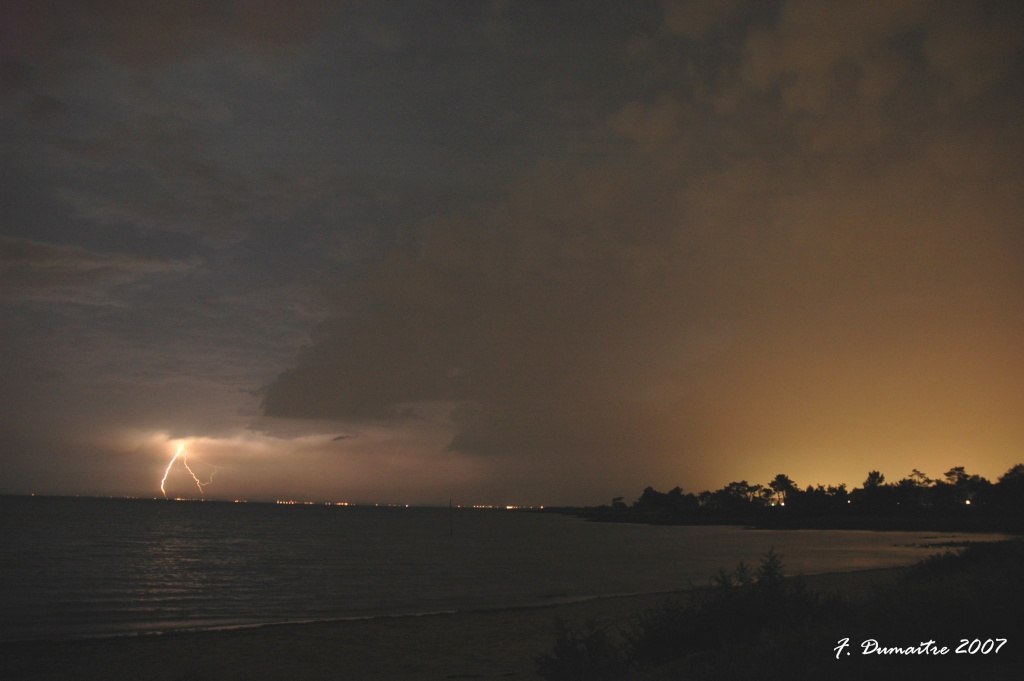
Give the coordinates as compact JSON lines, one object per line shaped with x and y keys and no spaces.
{"x":763,"y":626}
{"x":731,"y":613}
{"x":590,"y":654}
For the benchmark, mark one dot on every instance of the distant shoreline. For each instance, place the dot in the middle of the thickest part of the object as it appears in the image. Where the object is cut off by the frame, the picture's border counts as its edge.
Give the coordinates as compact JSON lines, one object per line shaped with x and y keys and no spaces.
{"x":780,"y":519}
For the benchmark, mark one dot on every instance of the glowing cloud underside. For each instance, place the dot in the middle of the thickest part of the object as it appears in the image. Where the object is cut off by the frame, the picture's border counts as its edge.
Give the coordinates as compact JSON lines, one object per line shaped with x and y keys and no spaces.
{"x":184,"y":462}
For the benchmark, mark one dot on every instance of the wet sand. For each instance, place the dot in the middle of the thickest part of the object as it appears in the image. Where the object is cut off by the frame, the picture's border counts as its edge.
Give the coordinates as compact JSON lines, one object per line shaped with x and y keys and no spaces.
{"x":499,"y":644}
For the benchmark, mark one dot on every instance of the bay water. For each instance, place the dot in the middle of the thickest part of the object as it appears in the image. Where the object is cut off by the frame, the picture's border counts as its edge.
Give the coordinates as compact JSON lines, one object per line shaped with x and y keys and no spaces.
{"x":79,"y":567}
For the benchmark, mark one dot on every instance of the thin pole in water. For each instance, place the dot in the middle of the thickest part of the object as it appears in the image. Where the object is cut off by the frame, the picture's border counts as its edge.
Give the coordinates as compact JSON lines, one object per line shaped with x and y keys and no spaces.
{"x":451,"y":526}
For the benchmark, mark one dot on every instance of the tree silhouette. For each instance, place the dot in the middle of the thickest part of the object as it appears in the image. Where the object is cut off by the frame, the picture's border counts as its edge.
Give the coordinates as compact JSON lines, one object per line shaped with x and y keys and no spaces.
{"x":958,"y":499}
{"x":920,"y":478}
{"x":956,"y":475}
{"x":1014,"y":476}
{"x":1008,"y":494}
{"x":782,"y":486}
{"x":874,"y":480}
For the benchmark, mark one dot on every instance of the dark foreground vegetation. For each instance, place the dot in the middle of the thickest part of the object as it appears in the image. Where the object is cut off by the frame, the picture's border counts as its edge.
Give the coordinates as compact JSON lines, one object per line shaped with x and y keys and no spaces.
{"x":958,"y":501}
{"x":756,"y":624}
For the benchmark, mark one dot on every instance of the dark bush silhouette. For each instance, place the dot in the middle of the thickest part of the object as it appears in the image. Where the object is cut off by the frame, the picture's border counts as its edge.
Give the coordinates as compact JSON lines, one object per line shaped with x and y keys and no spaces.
{"x":733,"y":611}
{"x":761,"y":625}
{"x":583,"y":655}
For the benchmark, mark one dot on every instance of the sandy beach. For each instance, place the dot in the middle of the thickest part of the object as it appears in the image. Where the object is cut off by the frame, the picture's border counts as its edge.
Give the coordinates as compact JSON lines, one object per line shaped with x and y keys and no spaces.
{"x":499,"y":644}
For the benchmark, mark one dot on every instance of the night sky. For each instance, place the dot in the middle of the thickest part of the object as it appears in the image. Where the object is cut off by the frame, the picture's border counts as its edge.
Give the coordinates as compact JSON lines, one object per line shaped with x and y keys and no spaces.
{"x":523,"y":252}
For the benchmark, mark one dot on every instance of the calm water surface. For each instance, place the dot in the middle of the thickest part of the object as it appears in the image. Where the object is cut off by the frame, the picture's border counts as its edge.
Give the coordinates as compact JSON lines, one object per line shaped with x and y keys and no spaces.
{"x":86,"y":567}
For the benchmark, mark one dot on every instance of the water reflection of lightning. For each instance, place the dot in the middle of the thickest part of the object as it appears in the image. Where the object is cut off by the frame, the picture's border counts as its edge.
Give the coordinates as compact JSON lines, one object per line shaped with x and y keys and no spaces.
{"x":184,"y":462}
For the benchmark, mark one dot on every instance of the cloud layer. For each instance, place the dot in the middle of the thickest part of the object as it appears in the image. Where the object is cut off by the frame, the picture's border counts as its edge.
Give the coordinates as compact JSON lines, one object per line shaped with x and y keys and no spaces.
{"x":544,"y":251}
{"x":802,"y":246}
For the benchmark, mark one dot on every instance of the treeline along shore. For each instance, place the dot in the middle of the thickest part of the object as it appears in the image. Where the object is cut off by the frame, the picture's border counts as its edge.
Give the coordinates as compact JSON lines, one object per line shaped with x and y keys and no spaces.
{"x":958,"y":501}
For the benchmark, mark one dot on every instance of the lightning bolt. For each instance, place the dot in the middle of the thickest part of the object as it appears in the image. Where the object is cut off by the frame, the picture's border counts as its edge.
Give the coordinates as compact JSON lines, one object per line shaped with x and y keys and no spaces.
{"x":184,"y":462}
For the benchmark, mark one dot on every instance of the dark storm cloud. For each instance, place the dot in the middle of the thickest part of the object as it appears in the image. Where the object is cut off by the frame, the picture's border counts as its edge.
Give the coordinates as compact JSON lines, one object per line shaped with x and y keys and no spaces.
{"x":663,"y":241}
{"x":808,"y":241}
{"x":33,"y":271}
{"x":41,"y":37}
